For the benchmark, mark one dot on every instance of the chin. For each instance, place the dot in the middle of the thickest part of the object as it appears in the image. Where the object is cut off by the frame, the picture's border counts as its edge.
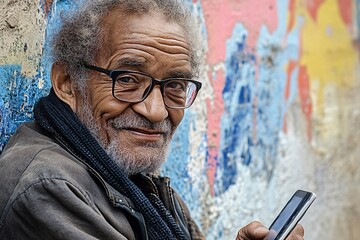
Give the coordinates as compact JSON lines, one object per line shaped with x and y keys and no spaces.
{"x":137,"y":159}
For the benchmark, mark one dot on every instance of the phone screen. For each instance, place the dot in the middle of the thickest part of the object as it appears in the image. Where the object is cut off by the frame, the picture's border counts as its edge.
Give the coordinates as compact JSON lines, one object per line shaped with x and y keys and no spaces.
{"x":285,"y":215}
{"x":290,"y":215}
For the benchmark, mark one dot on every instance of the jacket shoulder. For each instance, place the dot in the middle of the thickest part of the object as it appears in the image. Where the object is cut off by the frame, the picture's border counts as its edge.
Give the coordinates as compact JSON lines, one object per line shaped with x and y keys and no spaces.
{"x":29,"y":156}
{"x":40,"y":180}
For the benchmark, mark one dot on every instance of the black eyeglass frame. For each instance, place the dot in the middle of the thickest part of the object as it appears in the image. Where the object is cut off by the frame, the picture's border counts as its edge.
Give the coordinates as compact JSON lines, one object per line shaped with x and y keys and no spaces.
{"x":115,"y":73}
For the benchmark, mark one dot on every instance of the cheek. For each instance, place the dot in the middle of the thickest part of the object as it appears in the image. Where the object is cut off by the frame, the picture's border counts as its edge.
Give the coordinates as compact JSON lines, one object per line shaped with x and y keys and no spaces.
{"x":107,"y":109}
{"x":104,"y":111}
{"x":176,"y":115}
{"x":104,"y":106}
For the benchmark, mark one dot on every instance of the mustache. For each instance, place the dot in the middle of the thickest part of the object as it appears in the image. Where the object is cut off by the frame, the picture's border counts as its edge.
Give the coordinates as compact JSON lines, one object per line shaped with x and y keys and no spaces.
{"x":138,"y":121}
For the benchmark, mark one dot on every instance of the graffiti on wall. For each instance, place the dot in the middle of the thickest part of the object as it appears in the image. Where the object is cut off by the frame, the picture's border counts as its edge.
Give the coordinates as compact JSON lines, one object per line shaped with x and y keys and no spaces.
{"x":283,"y":55}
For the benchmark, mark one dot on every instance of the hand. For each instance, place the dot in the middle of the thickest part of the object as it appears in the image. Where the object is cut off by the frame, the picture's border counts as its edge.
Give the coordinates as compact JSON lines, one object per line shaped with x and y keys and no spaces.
{"x":297,"y":233}
{"x":257,"y":231}
{"x":253,"y":231}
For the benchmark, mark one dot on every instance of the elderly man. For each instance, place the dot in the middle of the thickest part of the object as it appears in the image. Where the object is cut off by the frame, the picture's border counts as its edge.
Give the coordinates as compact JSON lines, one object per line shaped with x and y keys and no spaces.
{"x":86,"y":168}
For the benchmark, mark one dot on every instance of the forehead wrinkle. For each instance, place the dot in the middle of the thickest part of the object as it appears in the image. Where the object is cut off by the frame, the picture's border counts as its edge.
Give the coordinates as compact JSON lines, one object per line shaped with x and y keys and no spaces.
{"x":168,"y":49}
{"x":141,"y":55}
{"x":135,"y":58}
{"x":172,"y":43}
{"x":169,"y":41}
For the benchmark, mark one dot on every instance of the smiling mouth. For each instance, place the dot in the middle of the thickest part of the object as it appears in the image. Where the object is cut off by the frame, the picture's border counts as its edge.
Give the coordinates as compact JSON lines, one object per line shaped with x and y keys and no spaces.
{"x":145,"y":134}
{"x":144,"y":131}
{"x":140,"y":129}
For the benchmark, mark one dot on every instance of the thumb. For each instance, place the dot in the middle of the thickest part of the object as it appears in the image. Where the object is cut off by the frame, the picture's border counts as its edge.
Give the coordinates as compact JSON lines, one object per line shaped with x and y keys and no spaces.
{"x":252,"y":231}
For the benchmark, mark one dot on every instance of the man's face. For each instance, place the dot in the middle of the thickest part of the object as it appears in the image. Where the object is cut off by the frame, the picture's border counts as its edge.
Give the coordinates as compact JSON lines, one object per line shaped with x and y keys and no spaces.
{"x":136,"y":135}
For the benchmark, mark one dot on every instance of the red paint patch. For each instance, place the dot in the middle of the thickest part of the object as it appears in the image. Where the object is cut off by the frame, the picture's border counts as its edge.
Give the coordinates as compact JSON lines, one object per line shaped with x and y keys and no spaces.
{"x":47,"y":6}
{"x":290,"y":69}
{"x":285,"y":127}
{"x":345,"y":7}
{"x":292,"y":65}
{"x":313,"y":7}
{"x":305,"y":97}
{"x":222,"y":15}
{"x":215,"y":109}
{"x":292,"y":15}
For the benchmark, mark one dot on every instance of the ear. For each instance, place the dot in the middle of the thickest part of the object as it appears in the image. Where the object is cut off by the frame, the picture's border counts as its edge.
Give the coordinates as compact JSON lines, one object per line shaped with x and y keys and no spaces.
{"x":62,"y":84}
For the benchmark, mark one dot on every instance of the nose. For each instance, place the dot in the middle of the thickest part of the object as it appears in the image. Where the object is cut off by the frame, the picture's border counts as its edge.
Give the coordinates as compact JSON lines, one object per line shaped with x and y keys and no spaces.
{"x":153,"y":107}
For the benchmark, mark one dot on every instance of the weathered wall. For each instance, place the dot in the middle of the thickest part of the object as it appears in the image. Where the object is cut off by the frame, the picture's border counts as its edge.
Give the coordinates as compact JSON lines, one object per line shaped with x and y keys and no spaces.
{"x":279,"y":111}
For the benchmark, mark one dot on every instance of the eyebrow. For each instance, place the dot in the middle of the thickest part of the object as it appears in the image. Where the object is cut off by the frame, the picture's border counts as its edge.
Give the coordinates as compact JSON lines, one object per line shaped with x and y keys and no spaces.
{"x":131,"y":62}
{"x":179,"y":74}
{"x":141,"y":64}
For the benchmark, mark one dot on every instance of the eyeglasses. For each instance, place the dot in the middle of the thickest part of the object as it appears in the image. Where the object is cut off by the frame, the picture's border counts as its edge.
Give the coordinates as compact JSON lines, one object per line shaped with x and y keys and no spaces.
{"x":133,"y":87}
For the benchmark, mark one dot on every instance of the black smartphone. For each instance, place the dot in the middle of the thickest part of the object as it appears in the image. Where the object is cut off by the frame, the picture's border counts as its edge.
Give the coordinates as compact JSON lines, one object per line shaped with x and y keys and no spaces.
{"x":290,"y":215}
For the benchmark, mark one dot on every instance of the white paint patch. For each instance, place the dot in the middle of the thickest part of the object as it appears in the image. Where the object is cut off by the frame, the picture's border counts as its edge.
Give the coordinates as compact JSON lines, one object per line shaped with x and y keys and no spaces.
{"x":22,"y":31}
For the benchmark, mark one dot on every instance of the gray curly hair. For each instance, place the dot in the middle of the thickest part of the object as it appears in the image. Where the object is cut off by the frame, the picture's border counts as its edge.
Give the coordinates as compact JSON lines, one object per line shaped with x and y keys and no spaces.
{"x":79,"y":37}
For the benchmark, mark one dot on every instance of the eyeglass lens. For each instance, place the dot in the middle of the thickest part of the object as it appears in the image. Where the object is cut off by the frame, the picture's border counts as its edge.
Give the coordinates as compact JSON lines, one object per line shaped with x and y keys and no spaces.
{"x":134,"y":87}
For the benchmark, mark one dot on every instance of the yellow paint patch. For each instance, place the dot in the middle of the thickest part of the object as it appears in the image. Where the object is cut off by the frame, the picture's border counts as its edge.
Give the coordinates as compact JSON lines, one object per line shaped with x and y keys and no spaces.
{"x":327,"y":48}
{"x":331,"y":61}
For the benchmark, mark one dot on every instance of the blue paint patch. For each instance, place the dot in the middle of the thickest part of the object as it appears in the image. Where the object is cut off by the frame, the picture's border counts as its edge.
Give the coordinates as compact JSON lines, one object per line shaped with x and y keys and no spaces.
{"x":176,"y":165}
{"x":236,"y":122}
{"x":270,"y":93}
{"x":255,"y":106}
{"x":54,"y":22}
{"x":18,"y":95}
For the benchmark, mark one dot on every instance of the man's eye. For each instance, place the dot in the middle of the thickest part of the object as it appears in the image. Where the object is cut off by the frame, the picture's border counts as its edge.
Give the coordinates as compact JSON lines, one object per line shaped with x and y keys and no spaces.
{"x":126,"y":79}
{"x":180,"y":85}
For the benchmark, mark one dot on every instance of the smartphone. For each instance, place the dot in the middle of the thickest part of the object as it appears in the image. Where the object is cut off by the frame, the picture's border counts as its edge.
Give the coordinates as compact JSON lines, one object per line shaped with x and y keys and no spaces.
{"x":290,"y":215}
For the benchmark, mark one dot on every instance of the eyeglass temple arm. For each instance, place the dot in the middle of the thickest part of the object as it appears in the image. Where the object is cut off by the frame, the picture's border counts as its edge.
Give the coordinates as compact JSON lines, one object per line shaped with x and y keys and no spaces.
{"x":102,"y":70}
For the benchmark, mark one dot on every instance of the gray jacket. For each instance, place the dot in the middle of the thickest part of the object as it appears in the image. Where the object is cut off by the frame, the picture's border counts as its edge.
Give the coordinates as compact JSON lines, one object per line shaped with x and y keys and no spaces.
{"x":47,"y":193}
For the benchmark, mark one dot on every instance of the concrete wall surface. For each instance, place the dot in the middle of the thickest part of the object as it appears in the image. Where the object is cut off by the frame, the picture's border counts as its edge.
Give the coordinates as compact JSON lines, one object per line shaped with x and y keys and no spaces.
{"x":279,"y":109}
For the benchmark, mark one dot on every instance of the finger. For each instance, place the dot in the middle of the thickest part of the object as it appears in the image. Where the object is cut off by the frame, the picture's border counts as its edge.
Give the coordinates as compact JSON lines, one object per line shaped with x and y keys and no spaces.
{"x":253,"y":231}
{"x":299,"y":230}
{"x":295,"y":237}
{"x":298,"y":237}
{"x":297,"y":233}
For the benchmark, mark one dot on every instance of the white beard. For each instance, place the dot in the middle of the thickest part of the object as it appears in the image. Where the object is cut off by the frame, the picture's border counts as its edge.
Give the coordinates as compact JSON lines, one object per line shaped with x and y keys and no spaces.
{"x":147,"y":161}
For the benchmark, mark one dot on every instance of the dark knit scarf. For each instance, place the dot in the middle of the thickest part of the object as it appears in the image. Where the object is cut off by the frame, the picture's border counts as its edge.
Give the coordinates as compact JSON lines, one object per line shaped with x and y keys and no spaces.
{"x":58,"y":119}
